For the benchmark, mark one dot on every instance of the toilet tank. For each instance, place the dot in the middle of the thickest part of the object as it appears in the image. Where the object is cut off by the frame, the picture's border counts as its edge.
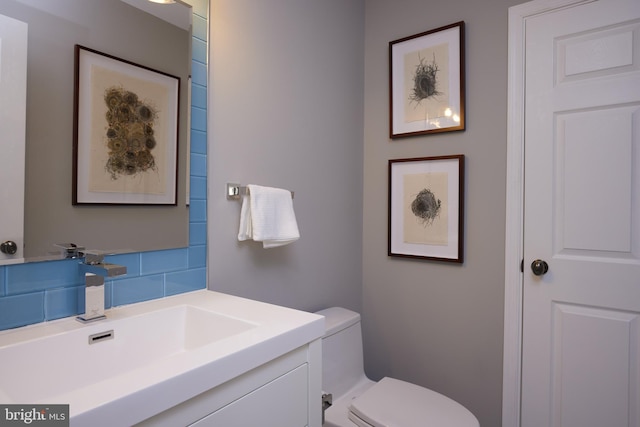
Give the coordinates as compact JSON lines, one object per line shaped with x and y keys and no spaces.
{"x":342,"y":361}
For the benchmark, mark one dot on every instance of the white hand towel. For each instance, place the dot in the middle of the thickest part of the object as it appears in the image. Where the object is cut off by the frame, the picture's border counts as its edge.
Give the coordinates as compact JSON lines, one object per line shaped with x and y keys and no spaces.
{"x":267,"y":216}
{"x":245,"y":231}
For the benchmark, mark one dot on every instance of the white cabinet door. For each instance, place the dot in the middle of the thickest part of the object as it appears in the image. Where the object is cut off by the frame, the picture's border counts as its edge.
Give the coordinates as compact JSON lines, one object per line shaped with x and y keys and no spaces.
{"x":581,"y":319}
{"x":13,"y":99}
{"x":280,"y":403}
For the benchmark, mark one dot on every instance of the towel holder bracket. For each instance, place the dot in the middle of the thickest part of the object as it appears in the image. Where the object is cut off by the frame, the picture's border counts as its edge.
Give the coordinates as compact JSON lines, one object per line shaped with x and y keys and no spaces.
{"x":235,"y":191}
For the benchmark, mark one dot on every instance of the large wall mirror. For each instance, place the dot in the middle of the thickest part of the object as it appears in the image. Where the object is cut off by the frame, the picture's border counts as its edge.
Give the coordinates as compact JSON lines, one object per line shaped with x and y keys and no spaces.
{"x":160,"y":41}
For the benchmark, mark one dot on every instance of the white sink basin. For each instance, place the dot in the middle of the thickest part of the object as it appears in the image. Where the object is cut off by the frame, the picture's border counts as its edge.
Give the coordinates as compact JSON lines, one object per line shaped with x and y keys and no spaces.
{"x":190,"y":342}
{"x":70,"y":361}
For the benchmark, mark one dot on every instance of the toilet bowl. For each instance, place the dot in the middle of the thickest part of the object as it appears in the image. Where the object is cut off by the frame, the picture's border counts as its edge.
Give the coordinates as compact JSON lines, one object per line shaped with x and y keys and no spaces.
{"x":359,"y":401}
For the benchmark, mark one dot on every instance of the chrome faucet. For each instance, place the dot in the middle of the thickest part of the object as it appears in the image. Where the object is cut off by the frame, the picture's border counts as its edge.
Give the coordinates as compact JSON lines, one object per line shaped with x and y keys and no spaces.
{"x":95,"y":270}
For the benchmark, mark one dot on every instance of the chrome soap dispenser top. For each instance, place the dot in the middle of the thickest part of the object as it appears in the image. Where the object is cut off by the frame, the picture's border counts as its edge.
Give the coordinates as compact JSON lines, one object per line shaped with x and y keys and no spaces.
{"x":95,"y":270}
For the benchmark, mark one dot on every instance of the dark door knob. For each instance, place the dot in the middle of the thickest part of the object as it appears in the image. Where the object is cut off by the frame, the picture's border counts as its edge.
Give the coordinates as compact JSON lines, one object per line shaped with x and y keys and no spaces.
{"x":539,"y":267}
{"x":9,"y":247}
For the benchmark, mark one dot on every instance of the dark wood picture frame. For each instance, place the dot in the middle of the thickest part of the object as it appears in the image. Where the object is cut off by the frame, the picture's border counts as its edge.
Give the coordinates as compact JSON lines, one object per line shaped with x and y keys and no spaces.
{"x":427,"y":82}
{"x":426,"y":208}
{"x":125,"y":141}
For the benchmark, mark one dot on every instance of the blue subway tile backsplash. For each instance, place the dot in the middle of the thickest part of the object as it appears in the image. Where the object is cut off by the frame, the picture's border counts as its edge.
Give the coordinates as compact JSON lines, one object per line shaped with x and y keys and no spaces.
{"x":200,"y":30}
{"x":19,"y":310}
{"x":198,"y":211}
{"x":199,"y":96}
{"x":198,"y":142}
{"x":184,"y":281}
{"x":199,"y":51}
{"x":42,"y":291}
{"x":164,"y":261}
{"x":2,"y":289}
{"x":197,"y":257}
{"x":197,"y":233}
{"x":64,"y":302}
{"x":198,"y":164}
{"x":144,"y":288}
{"x":25,"y":278}
{"x":199,"y":74}
{"x":198,"y":187}
{"x":199,"y":119}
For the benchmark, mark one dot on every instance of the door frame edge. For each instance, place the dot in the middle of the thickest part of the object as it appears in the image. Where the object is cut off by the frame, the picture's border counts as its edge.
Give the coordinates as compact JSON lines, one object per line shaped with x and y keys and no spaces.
{"x":514,"y":223}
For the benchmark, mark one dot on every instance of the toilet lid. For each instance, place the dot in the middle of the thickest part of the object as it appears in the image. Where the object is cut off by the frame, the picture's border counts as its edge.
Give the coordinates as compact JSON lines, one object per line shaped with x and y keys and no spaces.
{"x":396,"y":403}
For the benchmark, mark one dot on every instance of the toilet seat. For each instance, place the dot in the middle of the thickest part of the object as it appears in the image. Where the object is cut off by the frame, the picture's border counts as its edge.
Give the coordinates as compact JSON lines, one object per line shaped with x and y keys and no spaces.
{"x":397,"y":403}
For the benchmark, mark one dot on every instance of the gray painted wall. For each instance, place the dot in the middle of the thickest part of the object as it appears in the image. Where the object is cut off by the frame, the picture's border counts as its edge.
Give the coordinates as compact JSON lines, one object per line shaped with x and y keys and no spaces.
{"x":437,"y":324}
{"x":287,"y":108}
{"x":287,"y":111}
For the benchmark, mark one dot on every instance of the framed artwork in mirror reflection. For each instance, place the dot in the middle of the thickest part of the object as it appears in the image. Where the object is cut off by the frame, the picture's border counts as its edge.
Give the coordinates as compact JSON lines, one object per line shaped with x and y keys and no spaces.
{"x":125,"y":132}
{"x":426,"y":82}
{"x":426,"y":208}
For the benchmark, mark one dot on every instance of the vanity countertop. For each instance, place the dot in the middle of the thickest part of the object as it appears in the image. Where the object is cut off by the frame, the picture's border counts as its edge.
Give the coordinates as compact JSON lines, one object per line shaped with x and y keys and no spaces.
{"x":161,"y":353}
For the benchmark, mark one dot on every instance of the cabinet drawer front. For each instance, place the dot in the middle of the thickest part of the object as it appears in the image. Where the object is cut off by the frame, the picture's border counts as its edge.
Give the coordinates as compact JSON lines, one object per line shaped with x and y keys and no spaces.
{"x":280,"y":403}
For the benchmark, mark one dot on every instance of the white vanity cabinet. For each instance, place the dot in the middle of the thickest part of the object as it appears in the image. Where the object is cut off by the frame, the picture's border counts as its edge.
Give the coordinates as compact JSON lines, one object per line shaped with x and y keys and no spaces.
{"x":285,"y":392}
{"x":202,"y":358}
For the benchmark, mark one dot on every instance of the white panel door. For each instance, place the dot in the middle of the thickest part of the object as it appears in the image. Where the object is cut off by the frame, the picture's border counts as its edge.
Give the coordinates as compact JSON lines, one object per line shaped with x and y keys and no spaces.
{"x":13,"y":99}
{"x":581,"y":319}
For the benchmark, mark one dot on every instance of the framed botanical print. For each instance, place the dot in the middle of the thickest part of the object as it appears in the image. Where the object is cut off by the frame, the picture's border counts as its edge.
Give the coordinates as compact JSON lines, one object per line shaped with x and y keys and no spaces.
{"x":125,"y":132}
{"x":426,"y":82}
{"x":426,"y":208}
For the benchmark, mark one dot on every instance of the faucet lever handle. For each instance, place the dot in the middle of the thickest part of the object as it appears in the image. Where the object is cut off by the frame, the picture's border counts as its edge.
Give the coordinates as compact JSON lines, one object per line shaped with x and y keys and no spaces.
{"x":70,"y":250}
{"x":93,"y":257}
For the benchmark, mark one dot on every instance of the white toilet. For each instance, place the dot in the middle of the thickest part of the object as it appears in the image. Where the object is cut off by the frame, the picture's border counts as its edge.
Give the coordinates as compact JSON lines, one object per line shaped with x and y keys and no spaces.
{"x":358,"y":401}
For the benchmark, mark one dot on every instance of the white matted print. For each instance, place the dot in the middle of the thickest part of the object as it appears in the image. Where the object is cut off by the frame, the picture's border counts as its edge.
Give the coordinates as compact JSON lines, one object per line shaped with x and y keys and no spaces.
{"x":426,"y":82}
{"x":126,"y":132}
{"x":426,"y":208}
